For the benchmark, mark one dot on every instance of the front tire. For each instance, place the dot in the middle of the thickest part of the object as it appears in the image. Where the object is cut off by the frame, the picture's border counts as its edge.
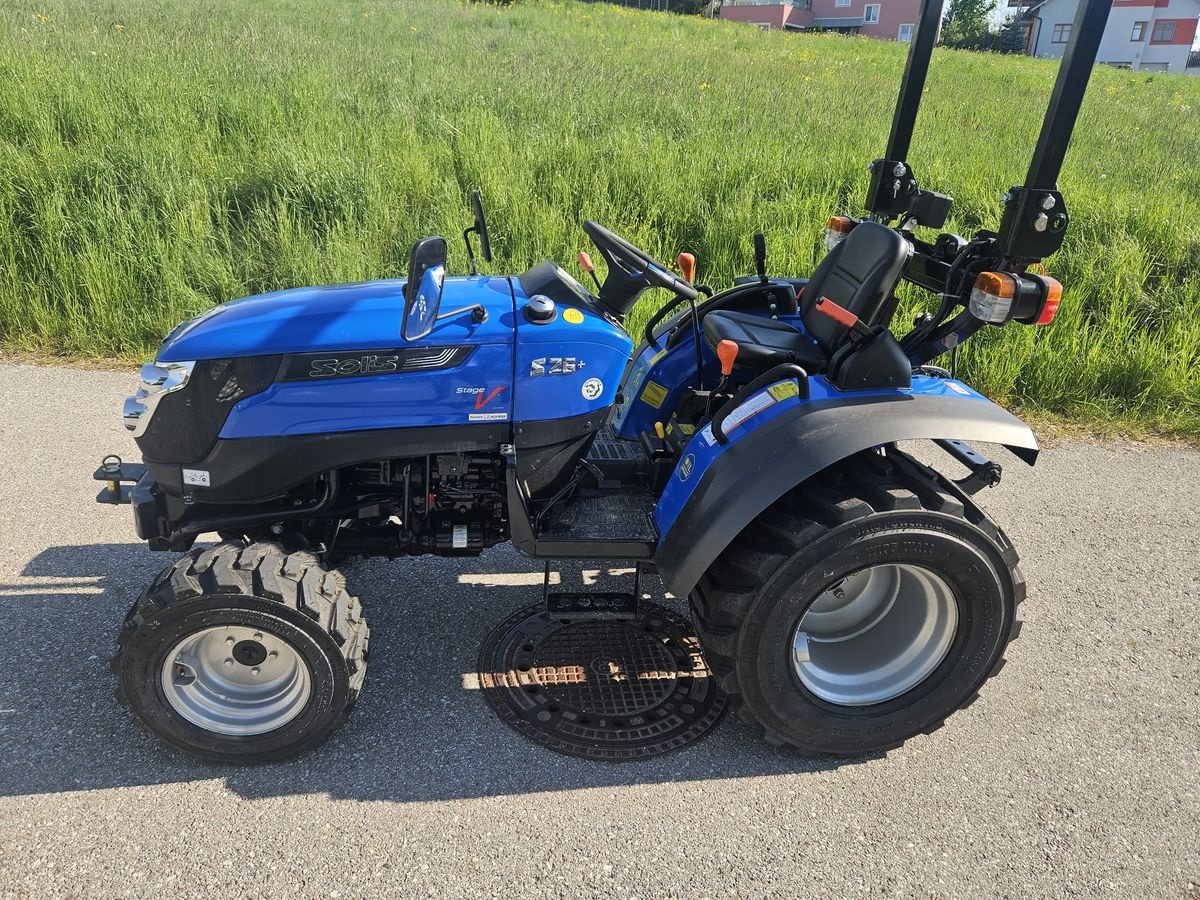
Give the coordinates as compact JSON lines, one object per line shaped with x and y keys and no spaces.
{"x":861,"y":609}
{"x":243,"y":654}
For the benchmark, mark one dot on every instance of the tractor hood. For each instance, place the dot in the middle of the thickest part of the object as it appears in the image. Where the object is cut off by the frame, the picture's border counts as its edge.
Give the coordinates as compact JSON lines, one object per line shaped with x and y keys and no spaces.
{"x":360,"y":316}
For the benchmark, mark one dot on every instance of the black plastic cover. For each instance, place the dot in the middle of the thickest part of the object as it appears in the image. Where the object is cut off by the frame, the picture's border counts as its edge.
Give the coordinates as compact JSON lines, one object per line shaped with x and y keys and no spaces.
{"x":187,"y":421}
{"x":250,"y":470}
{"x":875,"y":364}
{"x":549,"y":279}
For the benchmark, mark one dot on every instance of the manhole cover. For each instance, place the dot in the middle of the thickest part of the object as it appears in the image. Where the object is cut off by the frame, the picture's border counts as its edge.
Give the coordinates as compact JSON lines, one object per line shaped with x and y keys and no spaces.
{"x":601,"y":688}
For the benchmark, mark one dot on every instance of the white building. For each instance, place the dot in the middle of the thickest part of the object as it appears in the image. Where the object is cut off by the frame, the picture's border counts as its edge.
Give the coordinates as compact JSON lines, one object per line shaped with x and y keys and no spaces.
{"x":1151,"y":35}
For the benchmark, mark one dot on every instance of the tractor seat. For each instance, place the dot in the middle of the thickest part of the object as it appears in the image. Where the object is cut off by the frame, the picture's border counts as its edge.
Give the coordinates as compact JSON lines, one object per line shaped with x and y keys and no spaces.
{"x":859,"y":274}
{"x":763,"y":343}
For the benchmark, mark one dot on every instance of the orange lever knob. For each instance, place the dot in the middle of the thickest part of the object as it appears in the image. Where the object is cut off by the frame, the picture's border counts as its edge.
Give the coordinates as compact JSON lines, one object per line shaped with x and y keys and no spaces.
{"x":727,"y":352}
{"x":687,"y":265}
{"x":586,"y":261}
{"x":839,"y":314}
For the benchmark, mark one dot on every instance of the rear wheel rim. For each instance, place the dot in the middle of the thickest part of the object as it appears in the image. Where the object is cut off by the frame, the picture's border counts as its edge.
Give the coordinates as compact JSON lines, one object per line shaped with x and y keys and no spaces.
{"x":236,"y":680}
{"x":876,"y":634}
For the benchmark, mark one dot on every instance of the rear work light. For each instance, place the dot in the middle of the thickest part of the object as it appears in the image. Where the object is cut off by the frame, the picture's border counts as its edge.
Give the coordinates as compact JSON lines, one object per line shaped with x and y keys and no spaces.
{"x":836,"y":230}
{"x":992,"y":297}
{"x":1002,"y":297}
{"x":1050,"y":304}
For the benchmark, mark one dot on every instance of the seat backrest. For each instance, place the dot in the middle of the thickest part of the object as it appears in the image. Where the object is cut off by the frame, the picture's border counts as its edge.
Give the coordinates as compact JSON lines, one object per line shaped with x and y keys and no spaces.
{"x":859,"y":274}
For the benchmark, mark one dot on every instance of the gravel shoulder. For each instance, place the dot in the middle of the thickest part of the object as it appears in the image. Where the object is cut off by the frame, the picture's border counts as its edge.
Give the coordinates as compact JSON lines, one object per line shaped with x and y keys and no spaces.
{"x":1077,"y":773}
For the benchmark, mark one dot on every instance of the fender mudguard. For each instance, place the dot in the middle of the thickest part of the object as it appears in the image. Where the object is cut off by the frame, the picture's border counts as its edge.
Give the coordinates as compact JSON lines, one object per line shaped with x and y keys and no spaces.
{"x":753,"y":471}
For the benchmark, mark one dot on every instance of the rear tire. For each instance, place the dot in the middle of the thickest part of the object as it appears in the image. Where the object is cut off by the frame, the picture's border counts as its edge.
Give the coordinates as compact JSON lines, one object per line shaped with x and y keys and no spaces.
{"x":861,"y":609}
{"x":243,"y":654}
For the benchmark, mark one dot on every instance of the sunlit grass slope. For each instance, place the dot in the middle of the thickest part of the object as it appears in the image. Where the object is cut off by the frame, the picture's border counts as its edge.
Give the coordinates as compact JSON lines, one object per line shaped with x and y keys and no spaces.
{"x":159,"y":156}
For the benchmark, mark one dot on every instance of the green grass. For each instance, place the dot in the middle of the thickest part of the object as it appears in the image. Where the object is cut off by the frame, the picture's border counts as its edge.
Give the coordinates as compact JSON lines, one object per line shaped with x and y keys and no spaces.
{"x":159,"y":156}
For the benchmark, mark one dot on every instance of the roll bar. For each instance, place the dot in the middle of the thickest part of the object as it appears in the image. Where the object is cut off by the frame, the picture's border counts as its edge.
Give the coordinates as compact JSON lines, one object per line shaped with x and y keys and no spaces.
{"x":1035,"y":215}
{"x":1035,"y":219}
{"x":893,"y":185}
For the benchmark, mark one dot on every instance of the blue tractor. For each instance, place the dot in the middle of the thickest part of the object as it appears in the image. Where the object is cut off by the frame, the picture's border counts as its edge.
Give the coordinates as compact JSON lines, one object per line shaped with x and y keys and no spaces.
{"x":744,"y":446}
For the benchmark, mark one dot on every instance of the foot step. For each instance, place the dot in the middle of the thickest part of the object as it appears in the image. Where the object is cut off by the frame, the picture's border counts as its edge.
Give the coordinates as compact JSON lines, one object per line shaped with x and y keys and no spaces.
{"x":592,"y":605}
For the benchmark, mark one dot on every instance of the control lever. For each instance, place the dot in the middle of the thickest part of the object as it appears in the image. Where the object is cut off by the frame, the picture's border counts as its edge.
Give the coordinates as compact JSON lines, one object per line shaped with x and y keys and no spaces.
{"x":687,"y":265}
{"x":661,"y":433}
{"x":586,"y":264}
{"x":760,"y":256}
{"x":727,"y":353}
{"x":859,"y":331}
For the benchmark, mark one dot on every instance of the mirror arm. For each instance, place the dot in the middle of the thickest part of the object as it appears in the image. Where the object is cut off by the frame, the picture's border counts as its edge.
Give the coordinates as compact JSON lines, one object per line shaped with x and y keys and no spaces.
{"x":467,"y":232}
{"x":478,"y":313}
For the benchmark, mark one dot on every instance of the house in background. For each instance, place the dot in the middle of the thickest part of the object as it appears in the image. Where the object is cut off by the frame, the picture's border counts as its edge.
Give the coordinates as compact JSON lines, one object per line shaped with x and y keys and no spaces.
{"x":1150,"y":35}
{"x":890,"y":19}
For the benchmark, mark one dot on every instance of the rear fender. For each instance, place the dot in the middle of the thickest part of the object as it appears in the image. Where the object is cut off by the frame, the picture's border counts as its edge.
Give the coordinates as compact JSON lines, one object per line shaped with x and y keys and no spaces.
{"x":716,"y":491}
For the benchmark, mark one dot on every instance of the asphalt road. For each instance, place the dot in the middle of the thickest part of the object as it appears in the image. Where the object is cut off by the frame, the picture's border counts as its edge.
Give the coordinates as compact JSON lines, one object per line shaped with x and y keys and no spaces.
{"x":1077,"y":773}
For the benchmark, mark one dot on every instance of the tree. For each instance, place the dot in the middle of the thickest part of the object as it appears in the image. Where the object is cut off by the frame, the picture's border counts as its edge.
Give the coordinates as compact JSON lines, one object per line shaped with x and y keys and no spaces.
{"x":1014,"y":36}
{"x":966,"y":24}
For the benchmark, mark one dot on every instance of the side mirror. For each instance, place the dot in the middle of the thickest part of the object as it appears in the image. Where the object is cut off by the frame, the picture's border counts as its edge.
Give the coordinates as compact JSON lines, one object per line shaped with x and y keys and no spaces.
{"x":423,"y":292}
{"x":485,"y":245}
{"x":479,"y":228}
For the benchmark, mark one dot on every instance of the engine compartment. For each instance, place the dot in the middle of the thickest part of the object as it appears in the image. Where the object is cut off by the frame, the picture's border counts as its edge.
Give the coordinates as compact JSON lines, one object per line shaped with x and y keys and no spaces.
{"x":451,"y":504}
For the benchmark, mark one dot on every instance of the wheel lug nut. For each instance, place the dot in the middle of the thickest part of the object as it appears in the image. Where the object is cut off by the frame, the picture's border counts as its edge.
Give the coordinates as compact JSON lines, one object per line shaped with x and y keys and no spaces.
{"x":229,"y":662}
{"x":273,"y":655}
{"x":258,"y":635}
{"x":839,"y":594}
{"x":254,"y":671}
{"x":229,"y":640}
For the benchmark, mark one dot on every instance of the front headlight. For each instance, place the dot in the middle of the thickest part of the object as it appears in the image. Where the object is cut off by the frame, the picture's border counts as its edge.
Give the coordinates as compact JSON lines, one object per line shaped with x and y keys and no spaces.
{"x":158,"y":380}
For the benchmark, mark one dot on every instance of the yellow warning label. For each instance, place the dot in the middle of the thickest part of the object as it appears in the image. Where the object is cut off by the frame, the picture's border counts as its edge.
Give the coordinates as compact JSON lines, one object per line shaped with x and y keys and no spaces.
{"x":572,"y":315}
{"x":686,"y":428}
{"x":784,"y":389}
{"x":654,"y":394}
{"x":685,"y":467}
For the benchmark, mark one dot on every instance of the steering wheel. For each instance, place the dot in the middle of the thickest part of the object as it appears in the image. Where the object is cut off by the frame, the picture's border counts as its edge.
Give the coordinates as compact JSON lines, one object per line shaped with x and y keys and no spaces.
{"x":631,"y":271}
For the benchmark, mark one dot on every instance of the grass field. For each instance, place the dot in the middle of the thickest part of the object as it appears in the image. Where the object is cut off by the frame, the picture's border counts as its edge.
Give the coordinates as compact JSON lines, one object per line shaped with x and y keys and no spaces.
{"x":160,"y":156}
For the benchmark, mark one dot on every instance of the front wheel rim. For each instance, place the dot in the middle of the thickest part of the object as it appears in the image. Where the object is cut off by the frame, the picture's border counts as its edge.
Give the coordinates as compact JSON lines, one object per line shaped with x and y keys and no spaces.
{"x":876,"y":634}
{"x":236,"y":680}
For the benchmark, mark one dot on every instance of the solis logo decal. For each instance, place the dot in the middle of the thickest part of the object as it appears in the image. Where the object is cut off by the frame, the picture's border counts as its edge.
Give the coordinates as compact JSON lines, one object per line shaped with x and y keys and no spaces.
{"x":365,"y":365}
